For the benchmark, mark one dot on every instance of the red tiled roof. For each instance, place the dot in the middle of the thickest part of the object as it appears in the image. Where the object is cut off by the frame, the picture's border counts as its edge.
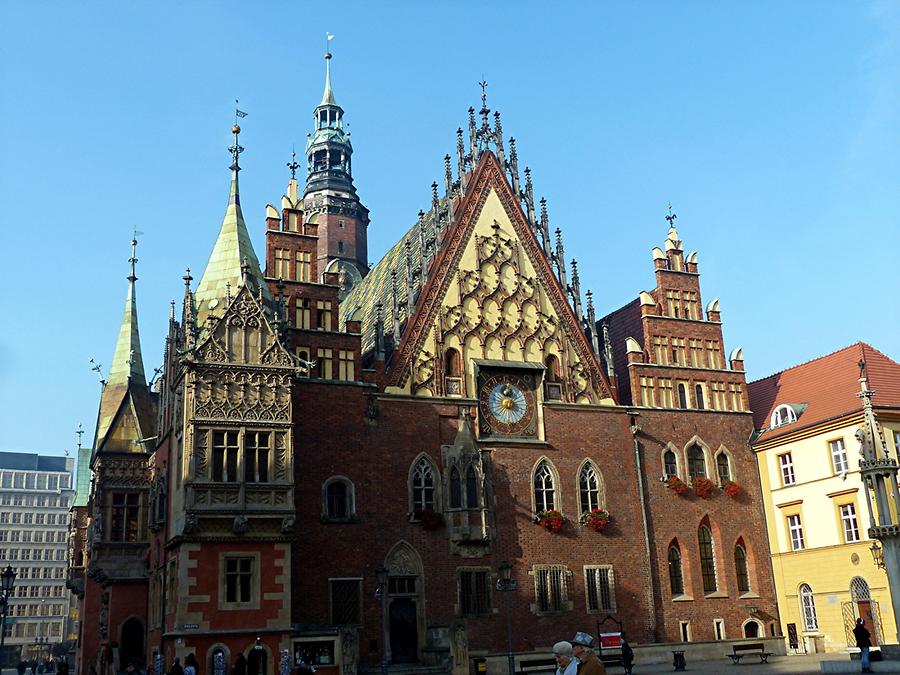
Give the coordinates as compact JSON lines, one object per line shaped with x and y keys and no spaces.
{"x":827,"y":386}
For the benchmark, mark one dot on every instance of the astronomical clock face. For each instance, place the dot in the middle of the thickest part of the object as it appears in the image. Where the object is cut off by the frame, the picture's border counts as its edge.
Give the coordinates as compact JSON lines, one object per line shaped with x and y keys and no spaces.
{"x":348,"y":276}
{"x":506,"y":402}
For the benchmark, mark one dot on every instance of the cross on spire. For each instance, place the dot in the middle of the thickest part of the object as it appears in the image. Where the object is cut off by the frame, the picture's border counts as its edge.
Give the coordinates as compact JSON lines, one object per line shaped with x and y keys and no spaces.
{"x":672,"y":216}
{"x":293,"y":165}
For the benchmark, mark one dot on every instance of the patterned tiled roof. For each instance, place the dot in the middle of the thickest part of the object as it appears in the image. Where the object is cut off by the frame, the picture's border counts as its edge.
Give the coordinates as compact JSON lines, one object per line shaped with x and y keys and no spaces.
{"x":376,"y":286}
{"x":827,"y":386}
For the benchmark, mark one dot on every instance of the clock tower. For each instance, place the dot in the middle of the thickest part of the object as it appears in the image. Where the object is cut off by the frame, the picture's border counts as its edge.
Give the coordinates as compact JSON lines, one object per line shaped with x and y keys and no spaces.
{"x":330,"y":200}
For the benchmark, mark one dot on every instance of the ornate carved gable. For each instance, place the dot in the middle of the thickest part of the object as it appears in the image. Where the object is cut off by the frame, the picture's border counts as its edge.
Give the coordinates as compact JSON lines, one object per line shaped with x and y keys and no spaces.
{"x":493,"y":297}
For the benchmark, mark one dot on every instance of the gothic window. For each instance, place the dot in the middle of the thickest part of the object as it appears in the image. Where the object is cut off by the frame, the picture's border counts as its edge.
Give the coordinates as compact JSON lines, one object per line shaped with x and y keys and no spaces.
{"x":723,"y":468}
{"x":808,"y":608}
{"x":707,"y":560}
{"x":544,"y":491}
{"x":124,"y":516}
{"x":452,"y":373}
{"x":589,"y":493}
{"x":455,"y":489}
{"x":340,"y":246}
{"x":339,"y":499}
{"x":225,"y":456}
{"x":256,"y":456}
{"x":676,"y":577}
{"x":422,"y":486}
{"x":696,"y":461}
{"x":552,"y":373}
{"x":700,"y":396}
{"x":740,"y":569}
{"x":670,"y":463}
{"x":471,"y":488}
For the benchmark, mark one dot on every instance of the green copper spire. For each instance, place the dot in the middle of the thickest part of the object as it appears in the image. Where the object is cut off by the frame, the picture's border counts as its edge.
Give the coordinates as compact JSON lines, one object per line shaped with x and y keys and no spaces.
{"x":328,"y":96}
{"x":231,"y":249}
{"x":127,"y":364}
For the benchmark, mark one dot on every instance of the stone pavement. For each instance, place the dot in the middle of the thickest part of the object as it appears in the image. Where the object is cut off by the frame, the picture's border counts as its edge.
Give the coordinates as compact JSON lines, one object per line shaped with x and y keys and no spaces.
{"x":809,"y":663}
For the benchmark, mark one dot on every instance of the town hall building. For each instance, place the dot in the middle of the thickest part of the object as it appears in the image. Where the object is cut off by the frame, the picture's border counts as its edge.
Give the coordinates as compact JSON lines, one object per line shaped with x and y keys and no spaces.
{"x":351,"y":465}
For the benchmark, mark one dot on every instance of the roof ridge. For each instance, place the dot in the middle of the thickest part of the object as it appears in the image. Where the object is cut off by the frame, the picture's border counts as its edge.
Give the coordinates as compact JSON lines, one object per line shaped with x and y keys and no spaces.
{"x":812,"y":360}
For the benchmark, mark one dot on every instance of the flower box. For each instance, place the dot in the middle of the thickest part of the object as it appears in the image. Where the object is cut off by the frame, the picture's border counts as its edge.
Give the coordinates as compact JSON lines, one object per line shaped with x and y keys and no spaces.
{"x":596,"y":519}
{"x":730,"y":488}
{"x":703,"y":487}
{"x":678,"y":486}
{"x":551,"y":520}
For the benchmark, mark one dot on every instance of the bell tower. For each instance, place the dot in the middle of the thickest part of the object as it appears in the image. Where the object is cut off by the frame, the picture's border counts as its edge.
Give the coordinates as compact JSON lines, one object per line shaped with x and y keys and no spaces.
{"x":329,"y":199}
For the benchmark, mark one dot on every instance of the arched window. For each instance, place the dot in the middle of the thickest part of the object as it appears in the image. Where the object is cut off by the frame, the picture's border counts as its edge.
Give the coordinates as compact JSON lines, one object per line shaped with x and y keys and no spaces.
{"x":670,"y":464}
{"x":740,"y":569}
{"x":808,"y":608}
{"x":698,"y":394}
{"x":707,"y":560}
{"x":682,"y":396}
{"x":544,"y":492}
{"x":552,"y":364}
{"x":676,"y":577}
{"x":696,"y":461}
{"x":338,"y":499}
{"x":751,"y":629}
{"x":471,"y":488}
{"x":455,"y":489}
{"x":552,"y":380}
{"x":589,"y":488}
{"x":722,"y":467}
{"x":423,"y":486}
{"x":783,"y":414}
{"x":451,"y":363}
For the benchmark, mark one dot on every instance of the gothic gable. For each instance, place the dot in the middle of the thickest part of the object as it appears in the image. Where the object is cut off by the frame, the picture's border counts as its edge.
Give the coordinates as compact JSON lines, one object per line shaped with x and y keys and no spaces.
{"x":493,"y":297}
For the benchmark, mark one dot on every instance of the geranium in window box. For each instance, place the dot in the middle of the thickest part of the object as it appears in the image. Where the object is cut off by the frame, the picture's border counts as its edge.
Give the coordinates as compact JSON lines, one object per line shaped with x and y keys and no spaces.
{"x":703,"y":487}
{"x":429,"y":519}
{"x":678,"y":486}
{"x":730,"y":488}
{"x":551,"y":520}
{"x":596,"y":519}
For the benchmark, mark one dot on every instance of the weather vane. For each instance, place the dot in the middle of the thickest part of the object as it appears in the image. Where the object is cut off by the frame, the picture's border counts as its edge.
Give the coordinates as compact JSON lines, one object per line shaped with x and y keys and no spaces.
{"x":79,"y":431}
{"x":236,"y":149}
{"x":328,"y":38}
{"x":671,"y":217}
{"x":483,"y":84}
{"x":293,"y":165}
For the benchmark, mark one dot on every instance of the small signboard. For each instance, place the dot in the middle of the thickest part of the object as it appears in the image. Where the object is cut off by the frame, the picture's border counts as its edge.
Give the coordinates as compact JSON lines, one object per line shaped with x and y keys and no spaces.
{"x":190,"y":626}
{"x":610,"y":641}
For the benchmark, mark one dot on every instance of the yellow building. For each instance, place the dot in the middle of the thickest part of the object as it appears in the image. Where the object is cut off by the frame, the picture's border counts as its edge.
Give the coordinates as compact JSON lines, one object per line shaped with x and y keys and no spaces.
{"x":808,"y":456}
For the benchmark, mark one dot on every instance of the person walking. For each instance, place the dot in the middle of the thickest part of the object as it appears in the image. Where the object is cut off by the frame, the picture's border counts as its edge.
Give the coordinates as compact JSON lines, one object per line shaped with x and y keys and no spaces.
{"x":240,"y":665}
{"x":864,"y":642}
{"x":176,"y":667}
{"x":627,"y":656}
{"x":583,"y":649}
{"x":566,"y":663}
{"x":190,"y":665}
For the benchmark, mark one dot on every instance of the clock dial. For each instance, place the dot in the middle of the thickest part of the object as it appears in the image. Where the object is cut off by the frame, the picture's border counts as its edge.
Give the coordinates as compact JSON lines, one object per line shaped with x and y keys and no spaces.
{"x":507,"y":405}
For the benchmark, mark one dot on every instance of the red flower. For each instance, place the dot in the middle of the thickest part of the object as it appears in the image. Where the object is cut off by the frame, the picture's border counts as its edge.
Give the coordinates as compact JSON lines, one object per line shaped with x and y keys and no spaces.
{"x":596,"y":519}
{"x":551,"y":520}
{"x":731,"y":488}
{"x":703,"y":487}
{"x":676,"y":484}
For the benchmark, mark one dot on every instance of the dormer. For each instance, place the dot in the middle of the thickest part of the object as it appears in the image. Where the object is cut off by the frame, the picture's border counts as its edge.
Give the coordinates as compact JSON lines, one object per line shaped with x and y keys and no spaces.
{"x":783,"y":415}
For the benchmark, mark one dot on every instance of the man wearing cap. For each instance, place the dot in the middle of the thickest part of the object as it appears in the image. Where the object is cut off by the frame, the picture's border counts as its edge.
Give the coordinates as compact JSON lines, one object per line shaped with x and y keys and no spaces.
{"x":583,"y":648}
{"x":566,"y":663}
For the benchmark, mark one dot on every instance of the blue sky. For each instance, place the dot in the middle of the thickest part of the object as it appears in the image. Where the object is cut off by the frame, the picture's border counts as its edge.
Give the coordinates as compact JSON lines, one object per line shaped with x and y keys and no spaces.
{"x":772,"y":128}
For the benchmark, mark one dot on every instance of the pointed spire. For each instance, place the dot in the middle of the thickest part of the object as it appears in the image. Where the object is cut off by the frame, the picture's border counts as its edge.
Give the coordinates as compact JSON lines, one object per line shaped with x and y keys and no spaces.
{"x":436,"y":215}
{"x":592,"y":324}
{"x":379,"y":331}
{"x":529,"y":200}
{"x":514,"y":167}
{"x":423,"y":249}
{"x":498,"y":138}
{"x":448,"y":177}
{"x":395,"y":309}
{"x":188,"y":315}
{"x":473,"y":138}
{"x":608,"y":351}
{"x":545,"y":227}
{"x":127,"y":364}
{"x":575,"y":290}
{"x":560,"y":259}
{"x":410,"y":291}
{"x":232,"y":248}
{"x":461,"y":160}
{"x":328,"y":94}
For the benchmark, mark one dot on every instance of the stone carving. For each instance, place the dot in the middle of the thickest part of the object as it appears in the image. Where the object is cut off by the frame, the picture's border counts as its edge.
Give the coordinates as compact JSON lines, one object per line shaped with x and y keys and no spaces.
{"x":287,"y":524}
{"x":348,"y":651}
{"x":240,"y":525}
{"x":190,"y":523}
{"x":403,"y":563}
{"x":236,"y":394}
{"x":460,"y":649}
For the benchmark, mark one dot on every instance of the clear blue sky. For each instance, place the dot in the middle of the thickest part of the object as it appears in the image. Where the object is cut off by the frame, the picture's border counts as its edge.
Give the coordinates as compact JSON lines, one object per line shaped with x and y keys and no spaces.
{"x":772,"y":127}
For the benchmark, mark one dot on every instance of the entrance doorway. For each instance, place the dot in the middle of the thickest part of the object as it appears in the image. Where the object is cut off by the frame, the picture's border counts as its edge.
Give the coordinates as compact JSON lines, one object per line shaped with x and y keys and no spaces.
{"x":256,"y":662}
{"x":131,"y":649}
{"x":404,"y":633}
{"x":865,"y":607}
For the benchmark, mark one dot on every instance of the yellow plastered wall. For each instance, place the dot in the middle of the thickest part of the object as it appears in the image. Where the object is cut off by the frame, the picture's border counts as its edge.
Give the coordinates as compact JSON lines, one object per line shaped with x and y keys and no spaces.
{"x":828,"y":563}
{"x":531,"y":352}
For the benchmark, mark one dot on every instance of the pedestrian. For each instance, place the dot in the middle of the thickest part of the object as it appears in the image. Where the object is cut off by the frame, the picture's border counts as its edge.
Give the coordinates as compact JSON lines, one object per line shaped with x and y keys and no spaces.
{"x":176,"y":667}
{"x":627,"y":656}
{"x":240,"y":665}
{"x":583,"y":648}
{"x":190,"y":665}
{"x":21,"y":667}
{"x":33,"y":666}
{"x":566,"y":663}
{"x":63,"y":667}
{"x":864,"y":642}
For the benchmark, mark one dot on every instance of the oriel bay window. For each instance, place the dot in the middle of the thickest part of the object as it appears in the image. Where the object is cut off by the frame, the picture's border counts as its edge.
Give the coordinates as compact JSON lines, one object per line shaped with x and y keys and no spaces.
{"x":124,"y":516}
{"x":238,"y":454}
{"x":225,"y":456}
{"x":256,"y":456}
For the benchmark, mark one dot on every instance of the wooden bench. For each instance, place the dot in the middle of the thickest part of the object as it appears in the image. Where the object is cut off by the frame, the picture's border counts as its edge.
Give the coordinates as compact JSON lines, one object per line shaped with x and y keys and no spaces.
{"x":753,"y":649}
{"x":538,"y":666}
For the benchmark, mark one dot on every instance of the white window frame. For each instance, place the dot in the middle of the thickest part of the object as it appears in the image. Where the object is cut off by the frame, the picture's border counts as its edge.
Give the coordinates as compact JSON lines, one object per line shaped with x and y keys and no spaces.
{"x":849,"y":522}
{"x":808,"y":609}
{"x":782,"y":415}
{"x":839,"y":460}
{"x":786,"y":466}
{"x":795,"y":532}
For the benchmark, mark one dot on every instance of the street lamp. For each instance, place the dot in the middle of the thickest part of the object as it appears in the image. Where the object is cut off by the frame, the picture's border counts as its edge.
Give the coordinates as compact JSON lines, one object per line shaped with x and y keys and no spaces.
{"x":506,"y":584}
{"x":381,"y":575}
{"x":7,"y":581}
{"x":877,"y":554}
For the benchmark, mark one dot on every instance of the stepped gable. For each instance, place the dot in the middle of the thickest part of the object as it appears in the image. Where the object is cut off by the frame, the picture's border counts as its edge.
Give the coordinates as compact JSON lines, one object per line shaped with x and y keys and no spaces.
{"x":827,"y":386}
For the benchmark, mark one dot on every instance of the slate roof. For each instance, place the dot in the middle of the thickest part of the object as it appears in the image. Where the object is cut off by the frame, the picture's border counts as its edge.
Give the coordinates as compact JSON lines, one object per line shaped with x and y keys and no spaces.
{"x":827,"y":386}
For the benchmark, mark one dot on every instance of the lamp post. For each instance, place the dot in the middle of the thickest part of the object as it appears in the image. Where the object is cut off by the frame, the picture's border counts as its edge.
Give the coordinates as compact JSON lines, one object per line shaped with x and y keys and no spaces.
{"x":7,"y":581}
{"x":381,"y":575}
{"x":506,"y":584}
{"x":260,"y":652}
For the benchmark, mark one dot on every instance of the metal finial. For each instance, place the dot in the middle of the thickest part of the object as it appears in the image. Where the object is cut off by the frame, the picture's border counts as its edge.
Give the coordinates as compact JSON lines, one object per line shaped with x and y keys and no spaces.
{"x":236,"y":149}
{"x":133,"y":259}
{"x":79,"y":431}
{"x":862,"y":368}
{"x":187,"y":278}
{"x":483,"y":84}
{"x":672,"y":216}
{"x":293,"y":165}
{"x":238,"y":113}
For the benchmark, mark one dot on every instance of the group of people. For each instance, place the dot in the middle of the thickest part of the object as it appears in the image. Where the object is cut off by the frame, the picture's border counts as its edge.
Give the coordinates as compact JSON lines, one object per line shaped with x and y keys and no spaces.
{"x":578,"y":658}
{"x":47,"y":665}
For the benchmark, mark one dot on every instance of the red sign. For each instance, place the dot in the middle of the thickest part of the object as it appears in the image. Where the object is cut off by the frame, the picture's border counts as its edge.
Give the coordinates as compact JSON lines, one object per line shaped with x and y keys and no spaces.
{"x":610,"y":640}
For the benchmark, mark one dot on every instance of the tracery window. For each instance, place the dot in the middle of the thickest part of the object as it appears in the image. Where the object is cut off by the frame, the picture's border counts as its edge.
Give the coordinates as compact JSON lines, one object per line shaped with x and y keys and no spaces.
{"x":808,"y":608}
{"x":707,"y":560}
{"x":544,"y":490}
{"x":589,"y":492}
{"x":471,"y":488}
{"x":723,"y":468}
{"x":740,"y":568}
{"x":696,"y":461}
{"x":455,"y":489}
{"x":676,"y":577}
{"x":423,"y":486}
{"x":670,"y":464}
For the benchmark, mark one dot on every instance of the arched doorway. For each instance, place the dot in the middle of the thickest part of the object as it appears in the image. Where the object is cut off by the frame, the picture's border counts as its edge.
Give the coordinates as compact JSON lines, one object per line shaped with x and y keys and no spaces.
{"x":257,"y":662}
{"x":404,"y":630}
{"x":406,"y":621}
{"x":866,"y":608}
{"x":131,"y":643}
{"x":752,"y":629}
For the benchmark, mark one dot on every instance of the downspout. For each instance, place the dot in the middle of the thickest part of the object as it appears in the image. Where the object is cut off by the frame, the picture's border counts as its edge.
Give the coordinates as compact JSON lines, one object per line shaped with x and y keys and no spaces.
{"x":651,"y":592}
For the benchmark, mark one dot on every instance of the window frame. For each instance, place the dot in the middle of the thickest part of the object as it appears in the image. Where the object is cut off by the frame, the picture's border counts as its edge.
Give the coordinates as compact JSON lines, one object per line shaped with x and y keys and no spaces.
{"x":786,"y":469}
{"x":545,"y":602}
{"x":593,"y":572}
{"x":795,"y":527}
{"x":808,"y":612}
{"x":844,"y":459}
{"x":467,"y":578}
{"x":435,"y":485}
{"x":708,"y":571}
{"x":541,"y":504}
{"x":349,"y":500}
{"x":359,"y":599}
{"x":680,"y":571}
{"x":254,"y":600}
